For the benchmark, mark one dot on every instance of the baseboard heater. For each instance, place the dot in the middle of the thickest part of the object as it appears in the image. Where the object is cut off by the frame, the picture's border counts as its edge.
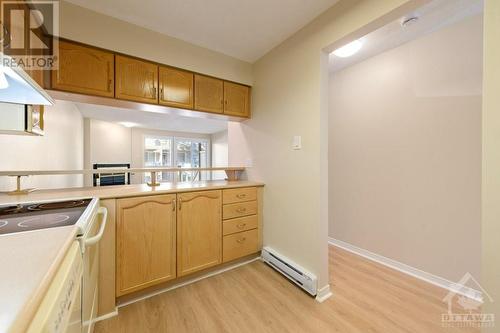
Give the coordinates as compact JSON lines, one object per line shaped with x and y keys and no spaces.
{"x":290,"y":270}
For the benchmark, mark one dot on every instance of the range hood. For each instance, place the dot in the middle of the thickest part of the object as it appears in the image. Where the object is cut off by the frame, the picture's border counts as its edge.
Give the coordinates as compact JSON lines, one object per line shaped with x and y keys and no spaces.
{"x":16,"y":86}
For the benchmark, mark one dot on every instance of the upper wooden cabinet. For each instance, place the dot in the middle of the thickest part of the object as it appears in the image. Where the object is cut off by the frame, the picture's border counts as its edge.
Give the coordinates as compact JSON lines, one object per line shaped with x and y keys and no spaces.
{"x":208,"y":94}
{"x":145,"y":242}
{"x":85,"y":70}
{"x":136,"y":80}
{"x":199,"y":231}
{"x":176,"y":87}
{"x":236,"y":99}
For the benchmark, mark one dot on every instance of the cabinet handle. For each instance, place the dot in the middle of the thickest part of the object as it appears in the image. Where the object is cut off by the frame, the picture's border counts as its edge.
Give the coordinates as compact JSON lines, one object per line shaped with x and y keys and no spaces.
{"x":241,"y":195}
{"x":154,"y":91}
{"x":241,"y":210}
{"x":173,"y":204}
{"x":241,"y":225}
{"x":161,"y":91}
{"x":109,"y":84}
{"x":241,"y":240}
{"x":180,"y":203}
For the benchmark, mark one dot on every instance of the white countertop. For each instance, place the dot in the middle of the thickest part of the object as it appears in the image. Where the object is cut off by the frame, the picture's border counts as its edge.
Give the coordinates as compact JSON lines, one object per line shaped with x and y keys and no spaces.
{"x":29,"y":261}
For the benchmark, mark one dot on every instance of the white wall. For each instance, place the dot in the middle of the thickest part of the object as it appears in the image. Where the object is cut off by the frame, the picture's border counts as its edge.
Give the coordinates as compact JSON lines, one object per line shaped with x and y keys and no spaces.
{"x":86,"y":26}
{"x":405,"y":152}
{"x":61,"y":148}
{"x":289,"y":97}
{"x":219,"y":153}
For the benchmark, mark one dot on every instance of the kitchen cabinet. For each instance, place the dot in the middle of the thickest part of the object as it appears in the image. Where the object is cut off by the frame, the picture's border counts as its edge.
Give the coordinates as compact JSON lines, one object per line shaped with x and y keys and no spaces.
{"x":145,"y":242}
{"x":241,"y":214}
{"x":199,"y":231}
{"x":236,"y":99}
{"x":84,"y":70}
{"x":136,"y":80}
{"x":208,"y":94}
{"x":176,"y":87}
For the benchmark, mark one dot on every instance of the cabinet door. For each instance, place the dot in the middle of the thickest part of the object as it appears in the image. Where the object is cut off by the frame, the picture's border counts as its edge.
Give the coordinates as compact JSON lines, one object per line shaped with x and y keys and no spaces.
{"x":84,"y":70}
{"x":208,"y":94}
{"x":176,"y":87}
{"x":136,"y":80}
{"x":199,"y":233}
{"x":146,"y":237}
{"x":236,"y":100}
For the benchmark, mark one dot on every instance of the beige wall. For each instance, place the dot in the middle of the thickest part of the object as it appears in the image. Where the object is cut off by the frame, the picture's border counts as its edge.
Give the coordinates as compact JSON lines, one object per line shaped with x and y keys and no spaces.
{"x":490,"y":266}
{"x":90,"y":27}
{"x":219,"y":153}
{"x":290,"y":98}
{"x":61,"y":148}
{"x":405,"y":152}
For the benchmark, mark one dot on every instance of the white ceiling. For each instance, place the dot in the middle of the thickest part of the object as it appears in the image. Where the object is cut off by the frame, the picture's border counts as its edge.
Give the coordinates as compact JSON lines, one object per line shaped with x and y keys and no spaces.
{"x":152,"y":120}
{"x":244,"y":29}
{"x":431,"y":17}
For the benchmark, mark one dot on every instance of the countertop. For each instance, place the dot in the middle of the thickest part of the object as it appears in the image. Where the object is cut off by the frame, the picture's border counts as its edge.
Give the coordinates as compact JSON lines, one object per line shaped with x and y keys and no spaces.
{"x":29,"y":262}
{"x":122,"y":191}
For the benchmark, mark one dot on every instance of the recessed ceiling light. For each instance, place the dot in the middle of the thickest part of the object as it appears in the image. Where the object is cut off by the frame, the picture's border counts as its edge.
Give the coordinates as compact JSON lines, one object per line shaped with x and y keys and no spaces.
{"x":349,"y":49}
{"x":128,"y":124}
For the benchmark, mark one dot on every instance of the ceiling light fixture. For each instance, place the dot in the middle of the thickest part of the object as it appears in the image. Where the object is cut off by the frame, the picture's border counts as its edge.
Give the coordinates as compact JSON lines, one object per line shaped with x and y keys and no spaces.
{"x":128,"y":124}
{"x":348,"y":49}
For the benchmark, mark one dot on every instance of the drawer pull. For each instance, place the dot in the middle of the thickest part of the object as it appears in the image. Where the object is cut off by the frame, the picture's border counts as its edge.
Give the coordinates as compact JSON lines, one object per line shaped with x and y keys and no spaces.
{"x":241,"y":225}
{"x":241,"y":195}
{"x":241,"y":240}
{"x":241,"y":210}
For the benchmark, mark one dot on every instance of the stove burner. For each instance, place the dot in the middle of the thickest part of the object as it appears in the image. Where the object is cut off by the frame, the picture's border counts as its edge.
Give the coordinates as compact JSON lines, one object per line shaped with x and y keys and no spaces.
{"x":11,"y":209}
{"x":57,"y":205}
{"x":43,"y":220}
{"x":3,"y":223}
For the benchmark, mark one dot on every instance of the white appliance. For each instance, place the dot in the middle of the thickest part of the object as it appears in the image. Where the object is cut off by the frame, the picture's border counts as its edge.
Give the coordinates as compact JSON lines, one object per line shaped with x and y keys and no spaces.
{"x":70,"y":305}
{"x":290,"y":270}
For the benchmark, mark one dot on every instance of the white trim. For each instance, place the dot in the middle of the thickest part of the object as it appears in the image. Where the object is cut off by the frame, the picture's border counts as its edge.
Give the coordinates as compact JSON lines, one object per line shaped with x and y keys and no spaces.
{"x":412,"y":271}
{"x":185,"y":283}
{"x":323,"y":294}
{"x":107,"y":315}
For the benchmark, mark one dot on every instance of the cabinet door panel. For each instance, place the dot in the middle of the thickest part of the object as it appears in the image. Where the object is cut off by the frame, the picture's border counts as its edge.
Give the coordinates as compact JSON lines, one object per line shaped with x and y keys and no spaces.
{"x":146,"y":239}
{"x":199,"y":234}
{"x":208,"y":94}
{"x":84,"y":70}
{"x":176,"y":87}
{"x":236,"y":100}
{"x":136,"y":80}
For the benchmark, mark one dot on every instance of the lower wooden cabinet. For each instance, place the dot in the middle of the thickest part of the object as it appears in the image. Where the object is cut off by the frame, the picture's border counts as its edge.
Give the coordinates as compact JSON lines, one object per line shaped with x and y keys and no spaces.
{"x":145,"y":242}
{"x":163,"y":237}
{"x":199,"y":231}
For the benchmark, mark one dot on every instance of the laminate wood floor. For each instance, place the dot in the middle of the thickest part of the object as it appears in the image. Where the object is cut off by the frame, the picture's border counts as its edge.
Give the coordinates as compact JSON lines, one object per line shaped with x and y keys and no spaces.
{"x":368,"y":298}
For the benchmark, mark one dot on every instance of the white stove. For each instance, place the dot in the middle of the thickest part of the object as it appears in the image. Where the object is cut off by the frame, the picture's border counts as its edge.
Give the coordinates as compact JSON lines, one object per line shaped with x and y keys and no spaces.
{"x":42,"y":215}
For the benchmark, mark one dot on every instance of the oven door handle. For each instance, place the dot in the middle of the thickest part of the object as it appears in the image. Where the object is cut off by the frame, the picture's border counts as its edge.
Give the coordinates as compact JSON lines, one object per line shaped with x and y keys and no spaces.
{"x":92,"y":240}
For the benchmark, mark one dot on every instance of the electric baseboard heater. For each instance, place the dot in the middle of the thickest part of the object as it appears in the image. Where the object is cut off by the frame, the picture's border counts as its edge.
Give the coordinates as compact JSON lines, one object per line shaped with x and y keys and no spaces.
{"x":290,"y":270}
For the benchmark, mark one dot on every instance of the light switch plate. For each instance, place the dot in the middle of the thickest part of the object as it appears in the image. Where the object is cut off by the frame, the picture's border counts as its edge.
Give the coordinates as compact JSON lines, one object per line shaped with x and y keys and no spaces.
{"x":297,"y":142}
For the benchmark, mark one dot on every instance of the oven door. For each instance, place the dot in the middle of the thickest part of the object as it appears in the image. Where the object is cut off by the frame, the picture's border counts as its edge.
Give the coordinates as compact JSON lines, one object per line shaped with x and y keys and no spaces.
{"x":90,"y":294}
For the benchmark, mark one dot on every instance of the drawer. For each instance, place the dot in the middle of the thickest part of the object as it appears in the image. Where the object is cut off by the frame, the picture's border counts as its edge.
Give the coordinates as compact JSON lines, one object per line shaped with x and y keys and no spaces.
{"x":239,"y":195}
{"x":240,"y":224}
{"x":239,"y":245}
{"x":239,"y":209}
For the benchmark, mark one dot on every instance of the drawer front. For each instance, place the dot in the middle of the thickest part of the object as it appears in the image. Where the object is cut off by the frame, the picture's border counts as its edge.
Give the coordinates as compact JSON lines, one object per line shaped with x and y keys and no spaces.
{"x":239,"y":209}
{"x":239,"y":195}
{"x":239,"y":224}
{"x":239,"y":245}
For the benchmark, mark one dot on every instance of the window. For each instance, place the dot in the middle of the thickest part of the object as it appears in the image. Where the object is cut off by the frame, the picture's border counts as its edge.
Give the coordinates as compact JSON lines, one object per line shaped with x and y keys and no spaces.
{"x":178,"y":152}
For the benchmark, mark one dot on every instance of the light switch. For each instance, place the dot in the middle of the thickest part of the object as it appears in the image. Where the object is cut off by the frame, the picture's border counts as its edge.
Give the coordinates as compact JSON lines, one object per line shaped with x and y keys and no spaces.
{"x":297,"y":142}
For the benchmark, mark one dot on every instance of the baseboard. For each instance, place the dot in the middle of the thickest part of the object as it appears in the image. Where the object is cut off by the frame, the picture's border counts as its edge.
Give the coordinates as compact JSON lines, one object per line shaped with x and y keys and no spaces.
{"x":193,"y":280}
{"x":107,"y":315}
{"x":412,"y":271}
{"x":323,"y":294}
